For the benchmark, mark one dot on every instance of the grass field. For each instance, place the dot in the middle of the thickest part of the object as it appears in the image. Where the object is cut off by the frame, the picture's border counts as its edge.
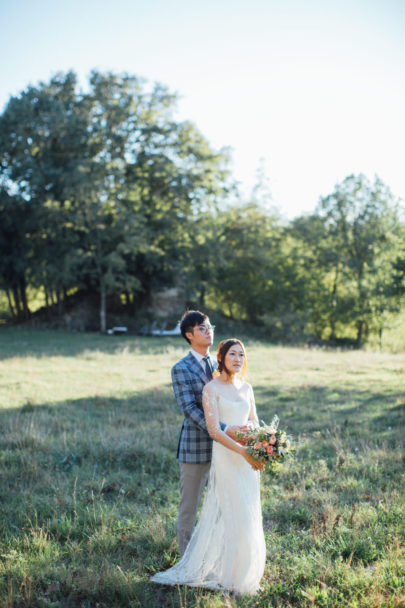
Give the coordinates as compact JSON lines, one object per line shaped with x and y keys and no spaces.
{"x":89,"y":478}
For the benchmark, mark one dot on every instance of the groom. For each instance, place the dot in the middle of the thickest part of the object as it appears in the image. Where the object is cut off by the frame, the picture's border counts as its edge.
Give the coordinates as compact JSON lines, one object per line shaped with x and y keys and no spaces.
{"x":189,"y":376}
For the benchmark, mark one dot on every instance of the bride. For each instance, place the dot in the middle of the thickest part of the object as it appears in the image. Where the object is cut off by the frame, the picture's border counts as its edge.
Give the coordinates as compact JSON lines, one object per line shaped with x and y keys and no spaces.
{"x":227,"y":549}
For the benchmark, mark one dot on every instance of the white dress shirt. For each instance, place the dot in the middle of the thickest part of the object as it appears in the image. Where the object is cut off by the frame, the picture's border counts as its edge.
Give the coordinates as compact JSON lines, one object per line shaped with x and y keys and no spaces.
{"x":200,"y":358}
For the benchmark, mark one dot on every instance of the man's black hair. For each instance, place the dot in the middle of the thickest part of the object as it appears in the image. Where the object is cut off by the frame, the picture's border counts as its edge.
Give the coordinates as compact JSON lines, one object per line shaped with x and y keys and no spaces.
{"x":189,"y":320}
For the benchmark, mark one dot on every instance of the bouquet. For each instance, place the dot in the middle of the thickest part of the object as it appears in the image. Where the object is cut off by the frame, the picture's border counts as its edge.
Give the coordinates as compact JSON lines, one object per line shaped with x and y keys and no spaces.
{"x":268,"y":444}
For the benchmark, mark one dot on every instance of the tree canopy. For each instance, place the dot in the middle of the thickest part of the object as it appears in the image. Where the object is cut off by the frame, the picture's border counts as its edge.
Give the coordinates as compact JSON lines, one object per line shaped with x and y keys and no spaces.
{"x":104,"y":191}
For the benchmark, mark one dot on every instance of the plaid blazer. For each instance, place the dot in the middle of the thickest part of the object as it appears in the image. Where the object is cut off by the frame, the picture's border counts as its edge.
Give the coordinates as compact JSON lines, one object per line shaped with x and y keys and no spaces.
{"x":189,"y":379}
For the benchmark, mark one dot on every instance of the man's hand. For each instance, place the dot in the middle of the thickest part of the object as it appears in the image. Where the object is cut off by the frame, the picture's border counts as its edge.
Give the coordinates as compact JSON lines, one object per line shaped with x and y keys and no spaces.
{"x":232,"y":430}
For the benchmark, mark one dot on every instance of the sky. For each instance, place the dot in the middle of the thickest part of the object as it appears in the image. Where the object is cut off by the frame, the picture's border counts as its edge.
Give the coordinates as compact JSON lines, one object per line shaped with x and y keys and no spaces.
{"x":308,"y":91}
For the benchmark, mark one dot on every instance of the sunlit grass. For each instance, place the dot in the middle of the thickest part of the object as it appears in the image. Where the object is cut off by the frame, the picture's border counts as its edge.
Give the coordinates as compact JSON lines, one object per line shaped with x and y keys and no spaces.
{"x":89,"y":478}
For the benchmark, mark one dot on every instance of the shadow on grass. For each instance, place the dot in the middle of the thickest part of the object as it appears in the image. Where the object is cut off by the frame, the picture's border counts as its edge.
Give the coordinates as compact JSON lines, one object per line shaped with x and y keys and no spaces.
{"x":323,"y":409}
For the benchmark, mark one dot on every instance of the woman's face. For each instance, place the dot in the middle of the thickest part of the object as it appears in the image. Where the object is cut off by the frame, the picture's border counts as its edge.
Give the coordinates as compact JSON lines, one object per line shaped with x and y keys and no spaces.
{"x":234,"y":359}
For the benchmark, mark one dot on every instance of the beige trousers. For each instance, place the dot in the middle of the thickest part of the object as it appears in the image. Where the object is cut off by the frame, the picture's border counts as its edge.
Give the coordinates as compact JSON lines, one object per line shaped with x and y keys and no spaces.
{"x":193,"y":478}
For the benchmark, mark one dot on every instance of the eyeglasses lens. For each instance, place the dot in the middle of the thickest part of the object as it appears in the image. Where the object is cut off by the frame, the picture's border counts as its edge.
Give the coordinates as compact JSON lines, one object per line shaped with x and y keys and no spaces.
{"x":206,"y":328}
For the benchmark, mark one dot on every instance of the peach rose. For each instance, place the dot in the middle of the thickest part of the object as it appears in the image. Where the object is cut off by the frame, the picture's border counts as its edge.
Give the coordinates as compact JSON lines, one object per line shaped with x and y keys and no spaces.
{"x":269,"y":449}
{"x":272,"y":440}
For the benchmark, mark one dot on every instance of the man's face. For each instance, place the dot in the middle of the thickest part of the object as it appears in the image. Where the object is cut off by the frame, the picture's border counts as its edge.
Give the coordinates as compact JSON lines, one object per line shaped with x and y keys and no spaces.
{"x":202,"y":336}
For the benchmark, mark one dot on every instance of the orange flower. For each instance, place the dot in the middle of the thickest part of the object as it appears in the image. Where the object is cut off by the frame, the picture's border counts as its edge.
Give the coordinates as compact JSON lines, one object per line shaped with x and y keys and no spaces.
{"x":269,"y":449}
{"x":272,"y":440}
{"x":257,"y":446}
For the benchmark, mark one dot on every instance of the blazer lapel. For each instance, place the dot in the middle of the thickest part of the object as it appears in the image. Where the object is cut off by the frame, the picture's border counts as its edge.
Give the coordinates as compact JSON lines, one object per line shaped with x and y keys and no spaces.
{"x":196,"y":367}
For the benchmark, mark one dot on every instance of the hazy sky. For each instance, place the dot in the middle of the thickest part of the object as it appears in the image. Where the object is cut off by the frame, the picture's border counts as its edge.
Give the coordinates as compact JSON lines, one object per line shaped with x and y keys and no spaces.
{"x":315,"y":88}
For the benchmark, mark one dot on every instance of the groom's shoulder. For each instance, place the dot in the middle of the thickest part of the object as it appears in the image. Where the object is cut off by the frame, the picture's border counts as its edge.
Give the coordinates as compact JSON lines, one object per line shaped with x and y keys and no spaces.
{"x":182,"y":364}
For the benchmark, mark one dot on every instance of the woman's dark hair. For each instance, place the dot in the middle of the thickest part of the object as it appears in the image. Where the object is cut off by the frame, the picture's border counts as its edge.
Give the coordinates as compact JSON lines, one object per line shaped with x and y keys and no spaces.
{"x":189,"y":320}
{"x":223,"y":348}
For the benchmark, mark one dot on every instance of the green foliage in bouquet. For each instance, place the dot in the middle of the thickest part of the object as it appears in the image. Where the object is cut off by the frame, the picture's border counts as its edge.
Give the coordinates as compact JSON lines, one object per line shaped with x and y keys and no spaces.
{"x":267,"y":443}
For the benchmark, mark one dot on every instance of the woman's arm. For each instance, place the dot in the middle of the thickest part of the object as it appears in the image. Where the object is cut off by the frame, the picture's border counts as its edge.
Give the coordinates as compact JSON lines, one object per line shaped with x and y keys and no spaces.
{"x":252,"y":413}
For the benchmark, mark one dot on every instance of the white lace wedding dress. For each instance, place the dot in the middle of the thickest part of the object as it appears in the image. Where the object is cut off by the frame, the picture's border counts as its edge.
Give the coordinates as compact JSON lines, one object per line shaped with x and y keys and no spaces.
{"x":227,"y":549}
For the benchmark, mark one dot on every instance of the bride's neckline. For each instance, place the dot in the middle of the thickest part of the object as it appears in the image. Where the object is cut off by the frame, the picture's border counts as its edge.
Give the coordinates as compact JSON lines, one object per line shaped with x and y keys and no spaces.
{"x":230,"y":387}
{"x":234,"y":383}
{"x":232,"y":400}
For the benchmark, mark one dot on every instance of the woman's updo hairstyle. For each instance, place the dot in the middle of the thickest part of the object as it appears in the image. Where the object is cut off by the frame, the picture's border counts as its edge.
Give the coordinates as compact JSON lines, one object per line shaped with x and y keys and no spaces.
{"x":223,"y":348}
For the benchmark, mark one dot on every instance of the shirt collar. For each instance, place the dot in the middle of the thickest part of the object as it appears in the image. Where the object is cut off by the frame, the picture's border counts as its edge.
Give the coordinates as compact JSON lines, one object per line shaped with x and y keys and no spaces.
{"x":197,"y":355}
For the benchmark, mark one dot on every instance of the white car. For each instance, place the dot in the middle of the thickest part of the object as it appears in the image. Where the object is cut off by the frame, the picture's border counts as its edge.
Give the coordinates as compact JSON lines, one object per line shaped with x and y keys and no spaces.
{"x":167,"y":332}
{"x":117,"y":330}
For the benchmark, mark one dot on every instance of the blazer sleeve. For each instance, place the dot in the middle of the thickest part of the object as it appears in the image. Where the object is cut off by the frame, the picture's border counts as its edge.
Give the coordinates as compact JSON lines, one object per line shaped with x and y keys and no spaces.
{"x":185,"y":397}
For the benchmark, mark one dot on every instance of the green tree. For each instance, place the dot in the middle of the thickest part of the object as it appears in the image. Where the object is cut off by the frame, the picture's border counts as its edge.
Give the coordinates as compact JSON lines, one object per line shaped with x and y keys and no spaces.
{"x":246,"y":239}
{"x":16,"y":221}
{"x":178,"y":179}
{"x":42,"y":140}
{"x":114,"y":181}
{"x":362,"y":229}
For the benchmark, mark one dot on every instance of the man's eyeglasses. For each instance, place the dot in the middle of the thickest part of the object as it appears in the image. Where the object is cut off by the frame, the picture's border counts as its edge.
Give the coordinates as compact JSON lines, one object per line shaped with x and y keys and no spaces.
{"x":205,"y":329}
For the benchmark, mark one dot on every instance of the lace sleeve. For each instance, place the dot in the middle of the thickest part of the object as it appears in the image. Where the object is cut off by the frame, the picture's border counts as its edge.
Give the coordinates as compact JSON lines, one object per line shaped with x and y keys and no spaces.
{"x":252,"y":414}
{"x":210,"y":406}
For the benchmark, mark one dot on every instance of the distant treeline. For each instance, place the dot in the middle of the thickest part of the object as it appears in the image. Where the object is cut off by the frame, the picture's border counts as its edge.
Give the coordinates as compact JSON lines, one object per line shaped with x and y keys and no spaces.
{"x":104,"y":191}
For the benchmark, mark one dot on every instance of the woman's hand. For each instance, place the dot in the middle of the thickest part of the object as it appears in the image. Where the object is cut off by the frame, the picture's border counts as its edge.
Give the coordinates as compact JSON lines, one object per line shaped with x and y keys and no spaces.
{"x":257,"y":465}
{"x":232,"y":432}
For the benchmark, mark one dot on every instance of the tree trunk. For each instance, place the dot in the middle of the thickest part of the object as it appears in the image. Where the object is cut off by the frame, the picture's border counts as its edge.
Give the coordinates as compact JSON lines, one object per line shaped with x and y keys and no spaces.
{"x":103,"y":308}
{"x":359,"y":338}
{"x":47,"y":302}
{"x":23,"y":292}
{"x":129,"y":302}
{"x":59,"y":300}
{"x":10,"y":304}
{"x":333,"y":315}
{"x":332,"y":336}
{"x":380,"y":335}
{"x":17,"y":303}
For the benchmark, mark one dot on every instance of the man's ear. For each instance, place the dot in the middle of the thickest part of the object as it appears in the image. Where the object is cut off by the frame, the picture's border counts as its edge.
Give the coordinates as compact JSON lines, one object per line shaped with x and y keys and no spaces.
{"x":189,"y":335}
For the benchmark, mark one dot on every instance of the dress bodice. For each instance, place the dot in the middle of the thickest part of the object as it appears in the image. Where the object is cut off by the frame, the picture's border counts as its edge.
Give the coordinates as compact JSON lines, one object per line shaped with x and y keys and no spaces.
{"x":233,"y":411}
